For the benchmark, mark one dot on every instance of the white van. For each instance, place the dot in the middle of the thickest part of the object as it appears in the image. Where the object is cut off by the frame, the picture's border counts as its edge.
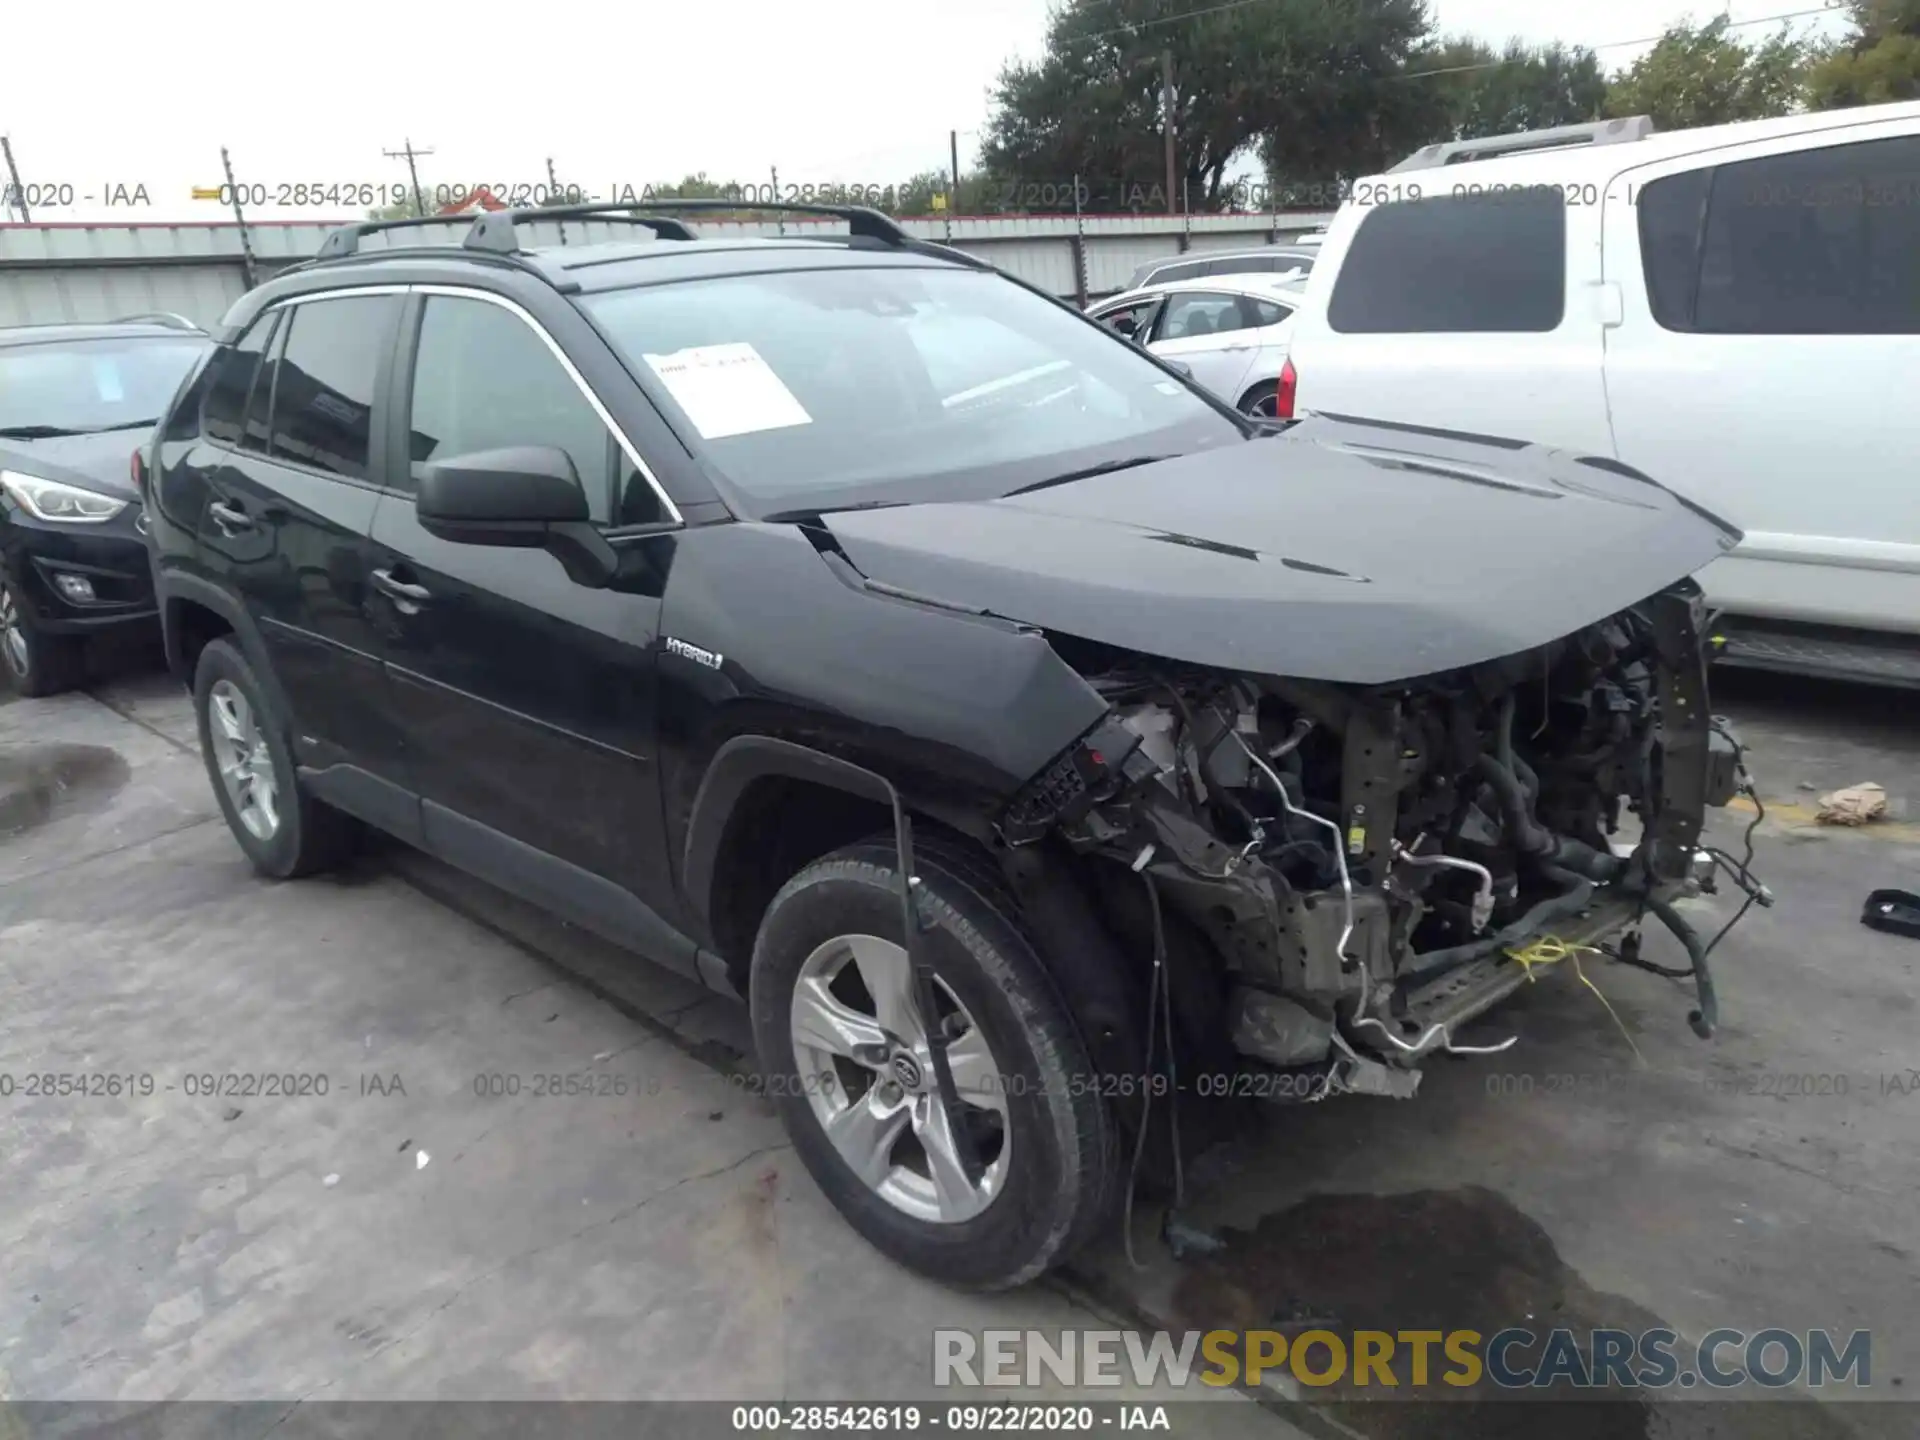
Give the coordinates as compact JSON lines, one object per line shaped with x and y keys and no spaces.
{"x":1734,"y":311}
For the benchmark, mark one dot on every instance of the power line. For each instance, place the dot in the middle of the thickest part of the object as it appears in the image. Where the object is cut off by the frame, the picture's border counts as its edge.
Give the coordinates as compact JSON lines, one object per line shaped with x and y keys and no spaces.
{"x":1611,"y":44}
{"x":1825,"y":9}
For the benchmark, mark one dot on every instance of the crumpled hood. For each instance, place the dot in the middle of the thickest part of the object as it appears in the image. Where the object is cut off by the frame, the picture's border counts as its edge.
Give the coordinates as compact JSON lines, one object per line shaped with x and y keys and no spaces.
{"x":1341,"y":550}
{"x":98,"y":462}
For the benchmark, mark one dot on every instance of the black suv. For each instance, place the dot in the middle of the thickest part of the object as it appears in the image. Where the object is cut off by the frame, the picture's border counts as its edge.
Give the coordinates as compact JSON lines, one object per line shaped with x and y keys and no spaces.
{"x":72,"y":561}
{"x":1042,"y":749}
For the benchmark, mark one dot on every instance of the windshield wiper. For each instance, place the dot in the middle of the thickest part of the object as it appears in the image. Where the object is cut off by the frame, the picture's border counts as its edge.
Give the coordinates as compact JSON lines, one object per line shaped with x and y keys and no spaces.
{"x":36,"y":432}
{"x":61,"y":432}
{"x":123,"y":425}
{"x":1105,"y":468}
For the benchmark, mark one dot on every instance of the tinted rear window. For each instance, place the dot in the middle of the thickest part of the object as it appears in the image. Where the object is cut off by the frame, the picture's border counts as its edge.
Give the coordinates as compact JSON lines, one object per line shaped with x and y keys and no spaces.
{"x":1456,"y":263}
{"x":1816,"y":242}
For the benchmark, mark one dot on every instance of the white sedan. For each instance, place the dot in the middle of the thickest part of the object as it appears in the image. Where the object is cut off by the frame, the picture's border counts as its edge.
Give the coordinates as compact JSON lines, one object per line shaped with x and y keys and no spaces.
{"x":1229,"y":331}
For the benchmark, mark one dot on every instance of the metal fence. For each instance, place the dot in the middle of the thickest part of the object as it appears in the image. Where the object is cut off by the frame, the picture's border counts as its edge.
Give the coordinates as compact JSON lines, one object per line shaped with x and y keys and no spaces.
{"x":66,"y":272}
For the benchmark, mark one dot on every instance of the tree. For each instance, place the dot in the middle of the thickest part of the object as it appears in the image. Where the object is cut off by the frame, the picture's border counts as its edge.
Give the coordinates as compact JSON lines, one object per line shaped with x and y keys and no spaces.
{"x":1298,"y":77}
{"x":1880,"y":63}
{"x":1706,"y":76}
{"x":404,"y":209}
{"x":1520,"y":87}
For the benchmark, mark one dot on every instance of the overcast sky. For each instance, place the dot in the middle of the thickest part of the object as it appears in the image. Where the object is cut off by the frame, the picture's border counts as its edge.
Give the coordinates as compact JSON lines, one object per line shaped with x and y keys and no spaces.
{"x":122,"y":94}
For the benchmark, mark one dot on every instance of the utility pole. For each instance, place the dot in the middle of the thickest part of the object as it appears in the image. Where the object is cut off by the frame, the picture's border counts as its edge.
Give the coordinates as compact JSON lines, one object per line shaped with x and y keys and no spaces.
{"x":239,"y":219}
{"x":953,"y":193}
{"x":778,"y":218}
{"x":17,"y":195}
{"x":1166,"y":119}
{"x":413,"y":173}
{"x":553,"y":197}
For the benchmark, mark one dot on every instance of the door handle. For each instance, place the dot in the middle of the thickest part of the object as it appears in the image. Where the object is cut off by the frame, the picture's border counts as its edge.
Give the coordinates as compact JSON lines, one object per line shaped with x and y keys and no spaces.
{"x":229,"y":518}
{"x":408,"y":597}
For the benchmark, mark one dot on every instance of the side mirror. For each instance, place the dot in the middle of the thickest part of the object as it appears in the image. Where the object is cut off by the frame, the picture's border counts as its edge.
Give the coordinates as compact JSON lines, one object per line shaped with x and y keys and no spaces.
{"x":1125,"y":325}
{"x":1182,"y":366}
{"x":525,"y":496}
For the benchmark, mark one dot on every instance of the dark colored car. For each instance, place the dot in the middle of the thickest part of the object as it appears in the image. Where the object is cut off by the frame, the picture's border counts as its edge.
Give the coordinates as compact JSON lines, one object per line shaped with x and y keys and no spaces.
{"x":1041,"y":748}
{"x":73,"y":562}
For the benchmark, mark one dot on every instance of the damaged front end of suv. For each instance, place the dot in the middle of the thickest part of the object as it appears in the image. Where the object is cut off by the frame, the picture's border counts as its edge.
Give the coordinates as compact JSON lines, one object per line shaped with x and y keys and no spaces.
{"x":1365,"y":861}
{"x":1388,"y":716}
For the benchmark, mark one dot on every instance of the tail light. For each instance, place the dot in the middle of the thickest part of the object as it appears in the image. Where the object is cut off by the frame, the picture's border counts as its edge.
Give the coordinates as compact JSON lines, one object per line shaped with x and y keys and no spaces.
{"x":1283,"y":394}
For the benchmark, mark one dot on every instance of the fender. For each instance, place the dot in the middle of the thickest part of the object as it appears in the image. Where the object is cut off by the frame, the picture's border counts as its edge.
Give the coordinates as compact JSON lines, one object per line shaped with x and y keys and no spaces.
{"x":737,"y":765}
{"x":172,"y":585}
{"x":746,"y":758}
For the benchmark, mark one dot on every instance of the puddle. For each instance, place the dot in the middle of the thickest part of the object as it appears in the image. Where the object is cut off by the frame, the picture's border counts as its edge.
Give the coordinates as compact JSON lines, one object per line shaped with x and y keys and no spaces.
{"x":41,"y":782}
{"x":1464,"y":1259}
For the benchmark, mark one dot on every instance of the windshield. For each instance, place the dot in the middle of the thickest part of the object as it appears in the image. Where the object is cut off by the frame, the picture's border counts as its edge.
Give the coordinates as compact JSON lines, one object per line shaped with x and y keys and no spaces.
{"x":824,"y":388}
{"x":66,"y":387}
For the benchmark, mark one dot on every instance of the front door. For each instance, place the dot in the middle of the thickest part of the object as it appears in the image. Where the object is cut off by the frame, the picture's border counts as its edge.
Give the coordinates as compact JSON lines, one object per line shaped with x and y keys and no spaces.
{"x":527,"y":700}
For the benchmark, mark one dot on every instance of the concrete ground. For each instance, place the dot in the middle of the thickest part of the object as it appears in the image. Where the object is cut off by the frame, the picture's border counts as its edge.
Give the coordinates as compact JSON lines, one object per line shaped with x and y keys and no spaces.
{"x":405,"y":1236}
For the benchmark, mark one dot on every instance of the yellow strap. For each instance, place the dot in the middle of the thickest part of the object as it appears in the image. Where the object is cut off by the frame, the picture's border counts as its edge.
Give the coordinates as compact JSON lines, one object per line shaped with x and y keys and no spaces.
{"x":1550,"y":950}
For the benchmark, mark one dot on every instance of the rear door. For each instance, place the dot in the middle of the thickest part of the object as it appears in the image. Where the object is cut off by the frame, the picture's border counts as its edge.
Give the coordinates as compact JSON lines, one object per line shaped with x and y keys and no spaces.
{"x":289,"y":503}
{"x":1214,"y":333}
{"x":1764,"y":362}
{"x":1272,"y":330}
{"x":528,"y":701}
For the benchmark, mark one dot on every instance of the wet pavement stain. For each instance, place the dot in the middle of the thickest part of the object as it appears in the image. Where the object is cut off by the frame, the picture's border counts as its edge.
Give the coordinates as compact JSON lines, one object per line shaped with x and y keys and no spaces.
{"x":41,"y":782}
{"x":1446,"y":1260}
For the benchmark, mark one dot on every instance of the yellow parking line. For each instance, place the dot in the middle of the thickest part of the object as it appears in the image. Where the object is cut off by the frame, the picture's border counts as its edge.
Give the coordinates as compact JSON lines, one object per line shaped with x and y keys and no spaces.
{"x":1792,"y":815}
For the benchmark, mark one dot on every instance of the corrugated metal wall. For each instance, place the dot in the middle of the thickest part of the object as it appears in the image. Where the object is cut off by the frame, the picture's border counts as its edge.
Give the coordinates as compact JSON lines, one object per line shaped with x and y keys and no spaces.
{"x":55,"y":273}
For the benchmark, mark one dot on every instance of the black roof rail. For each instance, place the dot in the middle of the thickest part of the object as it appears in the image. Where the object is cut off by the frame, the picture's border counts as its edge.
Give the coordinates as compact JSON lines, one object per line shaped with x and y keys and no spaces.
{"x":863,"y":222}
{"x":345,"y":239}
{"x":1560,"y":137}
{"x":168,"y":318}
{"x":493,"y":229}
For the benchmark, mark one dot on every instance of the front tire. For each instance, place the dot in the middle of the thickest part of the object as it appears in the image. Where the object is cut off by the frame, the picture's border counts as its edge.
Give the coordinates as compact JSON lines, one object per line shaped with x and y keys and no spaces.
{"x":842,"y":1049}
{"x":37,"y":663}
{"x":285,"y":832}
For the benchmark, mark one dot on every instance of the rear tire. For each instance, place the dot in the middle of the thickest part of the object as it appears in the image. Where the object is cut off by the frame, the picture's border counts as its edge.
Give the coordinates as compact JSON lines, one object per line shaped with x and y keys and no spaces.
{"x":37,"y":664}
{"x":285,"y":832}
{"x":1030,"y":1098}
{"x":1261,"y":400}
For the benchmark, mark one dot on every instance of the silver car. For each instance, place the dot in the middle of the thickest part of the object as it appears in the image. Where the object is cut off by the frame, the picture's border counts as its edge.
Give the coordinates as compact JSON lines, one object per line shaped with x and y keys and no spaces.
{"x":1286,"y":263}
{"x":1230,"y":334}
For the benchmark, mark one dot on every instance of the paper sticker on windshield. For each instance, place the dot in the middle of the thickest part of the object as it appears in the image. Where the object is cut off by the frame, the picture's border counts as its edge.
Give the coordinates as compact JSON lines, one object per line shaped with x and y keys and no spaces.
{"x":106,"y":380}
{"x":728,"y":390}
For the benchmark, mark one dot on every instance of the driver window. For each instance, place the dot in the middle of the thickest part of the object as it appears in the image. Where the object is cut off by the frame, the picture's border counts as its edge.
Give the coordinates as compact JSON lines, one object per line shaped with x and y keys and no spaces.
{"x":1130,"y":320}
{"x":483,"y":380}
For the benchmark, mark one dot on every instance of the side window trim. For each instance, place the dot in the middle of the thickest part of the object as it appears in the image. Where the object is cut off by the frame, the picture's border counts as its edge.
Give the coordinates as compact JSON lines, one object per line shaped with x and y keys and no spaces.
{"x":627,"y":447}
{"x":277,"y":329}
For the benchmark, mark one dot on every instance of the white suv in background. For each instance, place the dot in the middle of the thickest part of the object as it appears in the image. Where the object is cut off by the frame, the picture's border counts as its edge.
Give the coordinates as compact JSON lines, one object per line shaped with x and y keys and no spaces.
{"x":1230,"y":332}
{"x":1734,"y":311}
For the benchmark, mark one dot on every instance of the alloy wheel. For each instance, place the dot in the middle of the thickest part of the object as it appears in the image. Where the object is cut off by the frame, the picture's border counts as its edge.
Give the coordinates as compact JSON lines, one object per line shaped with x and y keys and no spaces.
{"x":13,"y":634}
{"x":861,"y":1049}
{"x":245,"y":763}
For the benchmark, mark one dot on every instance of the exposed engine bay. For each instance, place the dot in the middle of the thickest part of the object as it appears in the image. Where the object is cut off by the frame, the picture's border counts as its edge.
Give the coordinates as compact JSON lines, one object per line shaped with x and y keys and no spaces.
{"x":1366,"y":862}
